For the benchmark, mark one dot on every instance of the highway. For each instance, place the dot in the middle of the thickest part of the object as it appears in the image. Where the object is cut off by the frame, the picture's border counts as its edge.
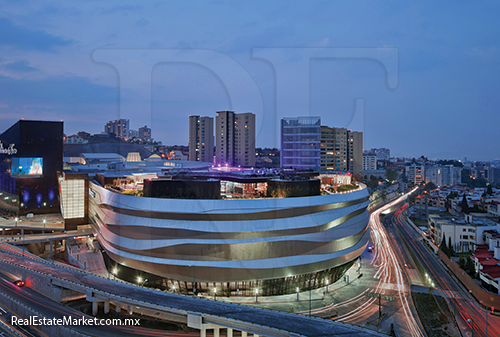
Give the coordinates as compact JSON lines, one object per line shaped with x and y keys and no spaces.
{"x":461,"y":302}
{"x":389,"y":280}
{"x":52,"y":309}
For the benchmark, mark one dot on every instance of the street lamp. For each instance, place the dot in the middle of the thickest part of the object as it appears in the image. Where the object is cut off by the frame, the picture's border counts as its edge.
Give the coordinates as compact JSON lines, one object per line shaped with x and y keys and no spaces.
{"x":194,"y":280}
{"x":297,"y":293}
{"x":327,"y":285}
{"x":115,"y":272}
{"x":256,"y":295}
{"x":16,"y":221}
{"x":173,"y":288}
{"x":471,"y":326}
{"x":139,"y":280}
{"x":215,"y":294}
{"x":310,"y":291}
{"x":44,"y":222}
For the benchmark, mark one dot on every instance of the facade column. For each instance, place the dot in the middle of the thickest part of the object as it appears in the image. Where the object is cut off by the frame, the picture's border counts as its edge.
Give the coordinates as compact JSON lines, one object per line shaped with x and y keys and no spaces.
{"x":129,"y":310}
{"x":95,"y":306}
{"x":106,"y":307}
{"x":216,"y":331}
{"x":51,"y":249}
{"x":118,"y":307}
{"x":3,"y":231}
{"x":229,"y":332}
{"x":244,"y":334}
{"x":203,"y":332}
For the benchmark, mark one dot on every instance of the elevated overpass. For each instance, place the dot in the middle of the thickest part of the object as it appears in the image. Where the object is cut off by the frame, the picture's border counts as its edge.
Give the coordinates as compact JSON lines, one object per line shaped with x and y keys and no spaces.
{"x":34,"y":238}
{"x":63,"y":284}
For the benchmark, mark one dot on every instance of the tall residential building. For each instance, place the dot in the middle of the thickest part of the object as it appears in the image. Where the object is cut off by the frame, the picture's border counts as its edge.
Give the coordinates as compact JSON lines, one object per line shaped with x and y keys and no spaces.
{"x":119,"y":127}
{"x":145,"y":133}
{"x":235,"y":138}
{"x":201,"y":138}
{"x":334,"y":149}
{"x":383,"y":153}
{"x":301,"y":142}
{"x":369,"y":161}
{"x":133,"y":134}
{"x":447,"y":175}
{"x":355,"y":151}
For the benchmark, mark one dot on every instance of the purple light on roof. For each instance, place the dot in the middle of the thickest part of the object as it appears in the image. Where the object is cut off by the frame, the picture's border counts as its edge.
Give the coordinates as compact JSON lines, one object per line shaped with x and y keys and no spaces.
{"x":39,"y":198}
{"x":51,"y":195}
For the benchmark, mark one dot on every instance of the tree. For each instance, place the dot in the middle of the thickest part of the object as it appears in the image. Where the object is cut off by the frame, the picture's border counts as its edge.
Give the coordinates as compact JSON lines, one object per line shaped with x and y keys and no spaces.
{"x":461,"y":262}
{"x":464,"y":205}
{"x":469,"y":266}
{"x":443,"y":246}
{"x":489,"y":190}
{"x":451,"y":251}
{"x":430,"y":186}
{"x":391,"y":174}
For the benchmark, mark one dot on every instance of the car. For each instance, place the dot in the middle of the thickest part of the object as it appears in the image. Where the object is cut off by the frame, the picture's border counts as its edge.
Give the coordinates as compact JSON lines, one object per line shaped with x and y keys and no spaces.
{"x":19,"y":283}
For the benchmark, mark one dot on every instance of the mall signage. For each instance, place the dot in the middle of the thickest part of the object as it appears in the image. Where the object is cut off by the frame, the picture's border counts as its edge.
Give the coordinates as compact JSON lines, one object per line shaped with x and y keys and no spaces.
{"x":10,"y":150}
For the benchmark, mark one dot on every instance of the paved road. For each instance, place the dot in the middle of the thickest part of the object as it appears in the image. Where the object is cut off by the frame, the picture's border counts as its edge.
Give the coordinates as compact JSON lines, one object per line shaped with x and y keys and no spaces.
{"x":388,"y":280}
{"x":6,"y":328}
{"x":289,"y":322}
{"x":462,"y":304}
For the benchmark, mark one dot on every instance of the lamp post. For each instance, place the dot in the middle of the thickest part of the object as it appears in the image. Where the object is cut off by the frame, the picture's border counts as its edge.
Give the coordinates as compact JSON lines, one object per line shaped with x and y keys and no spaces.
{"x":173,"y":289}
{"x":16,"y":220}
{"x":115,"y":272}
{"x":256,"y":295}
{"x":471,"y":326}
{"x":297,"y":293}
{"x":310,"y":291}
{"x":327,"y":285}
{"x":140,"y":282}
{"x":194,"y":280}
{"x":44,"y":222}
{"x":215,"y":294}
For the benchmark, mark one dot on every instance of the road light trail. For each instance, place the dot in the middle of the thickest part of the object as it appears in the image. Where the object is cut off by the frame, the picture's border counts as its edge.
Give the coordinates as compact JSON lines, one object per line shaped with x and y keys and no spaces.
{"x":464,"y":308}
{"x":388,"y":268}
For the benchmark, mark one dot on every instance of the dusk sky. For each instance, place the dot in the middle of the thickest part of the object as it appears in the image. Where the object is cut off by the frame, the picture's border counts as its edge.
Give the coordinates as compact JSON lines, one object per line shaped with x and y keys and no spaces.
{"x":428,"y":73}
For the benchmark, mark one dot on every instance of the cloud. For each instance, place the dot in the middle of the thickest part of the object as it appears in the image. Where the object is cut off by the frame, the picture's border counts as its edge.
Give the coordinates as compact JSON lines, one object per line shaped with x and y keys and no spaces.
{"x":142,"y":23}
{"x":122,"y":9}
{"x":250,"y":24}
{"x":55,"y":91}
{"x":21,"y":66}
{"x":19,"y":37}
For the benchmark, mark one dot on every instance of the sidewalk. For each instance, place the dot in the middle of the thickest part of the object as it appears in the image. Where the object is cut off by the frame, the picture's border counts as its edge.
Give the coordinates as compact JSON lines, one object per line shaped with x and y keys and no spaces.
{"x":320,"y":300}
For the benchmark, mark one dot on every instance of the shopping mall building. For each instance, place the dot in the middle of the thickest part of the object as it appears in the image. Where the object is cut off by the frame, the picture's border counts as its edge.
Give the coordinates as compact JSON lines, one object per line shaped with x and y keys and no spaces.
{"x":227,"y":233}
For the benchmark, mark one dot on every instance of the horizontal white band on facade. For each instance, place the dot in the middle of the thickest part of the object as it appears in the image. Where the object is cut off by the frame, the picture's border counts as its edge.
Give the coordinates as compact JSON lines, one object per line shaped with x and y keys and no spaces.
{"x":282,"y":262}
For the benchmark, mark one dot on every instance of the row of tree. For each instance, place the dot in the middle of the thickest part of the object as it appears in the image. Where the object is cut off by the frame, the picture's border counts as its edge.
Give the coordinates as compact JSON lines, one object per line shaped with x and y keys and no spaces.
{"x":465,"y":263}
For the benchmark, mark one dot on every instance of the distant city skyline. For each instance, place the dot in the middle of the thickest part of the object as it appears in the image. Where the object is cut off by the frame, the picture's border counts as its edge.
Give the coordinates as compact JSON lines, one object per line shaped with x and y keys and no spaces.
{"x":436,"y":98}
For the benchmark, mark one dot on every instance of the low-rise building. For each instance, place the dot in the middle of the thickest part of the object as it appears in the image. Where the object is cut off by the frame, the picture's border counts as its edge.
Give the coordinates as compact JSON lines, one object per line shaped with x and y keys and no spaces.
{"x":415,"y":173}
{"x":369,"y":161}
{"x":465,"y":233}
